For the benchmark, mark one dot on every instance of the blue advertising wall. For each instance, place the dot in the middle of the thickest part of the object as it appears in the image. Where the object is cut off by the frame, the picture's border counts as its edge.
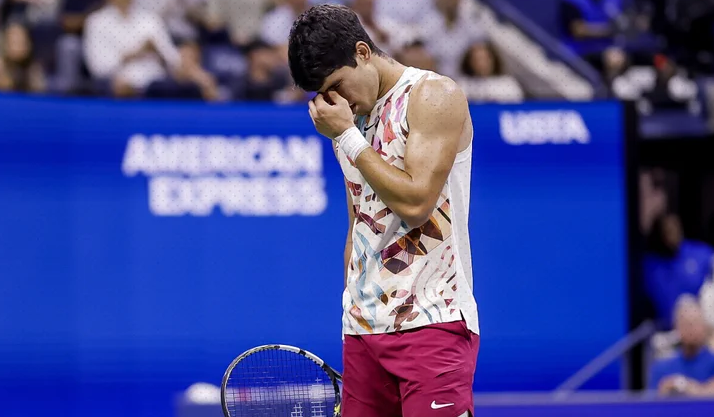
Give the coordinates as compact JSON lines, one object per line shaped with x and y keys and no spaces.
{"x":144,"y":245}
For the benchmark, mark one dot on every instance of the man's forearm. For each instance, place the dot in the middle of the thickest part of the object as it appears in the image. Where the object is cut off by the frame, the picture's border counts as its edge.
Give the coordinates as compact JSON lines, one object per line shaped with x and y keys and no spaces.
{"x":396,"y":188}
{"x":705,"y":389}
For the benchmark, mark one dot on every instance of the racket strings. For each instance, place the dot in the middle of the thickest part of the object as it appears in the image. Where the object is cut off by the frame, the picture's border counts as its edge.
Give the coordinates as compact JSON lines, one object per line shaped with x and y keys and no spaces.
{"x":276,"y":383}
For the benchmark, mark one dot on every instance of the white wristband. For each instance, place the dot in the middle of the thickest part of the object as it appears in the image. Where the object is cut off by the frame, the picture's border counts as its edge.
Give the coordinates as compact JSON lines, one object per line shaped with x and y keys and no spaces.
{"x":352,"y":143}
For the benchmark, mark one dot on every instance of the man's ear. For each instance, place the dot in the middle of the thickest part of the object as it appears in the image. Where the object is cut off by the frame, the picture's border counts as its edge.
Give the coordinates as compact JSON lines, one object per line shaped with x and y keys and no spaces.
{"x":363,"y":51}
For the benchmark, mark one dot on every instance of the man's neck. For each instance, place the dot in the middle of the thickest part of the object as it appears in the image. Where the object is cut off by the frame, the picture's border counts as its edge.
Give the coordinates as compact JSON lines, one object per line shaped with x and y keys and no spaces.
{"x":390,"y":71}
{"x":691,"y":352}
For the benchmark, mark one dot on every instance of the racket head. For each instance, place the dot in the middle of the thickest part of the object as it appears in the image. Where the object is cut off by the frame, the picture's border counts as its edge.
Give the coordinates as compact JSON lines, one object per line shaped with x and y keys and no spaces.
{"x":276,"y":380}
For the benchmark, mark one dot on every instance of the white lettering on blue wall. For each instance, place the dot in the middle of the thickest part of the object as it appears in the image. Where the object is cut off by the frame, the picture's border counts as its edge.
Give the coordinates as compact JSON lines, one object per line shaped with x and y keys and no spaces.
{"x":559,"y":127}
{"x":251,"y":176}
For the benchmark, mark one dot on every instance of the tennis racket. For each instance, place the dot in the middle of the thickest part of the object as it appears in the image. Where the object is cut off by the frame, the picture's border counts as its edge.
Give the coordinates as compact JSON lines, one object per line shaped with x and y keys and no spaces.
{"x":280,"y":381}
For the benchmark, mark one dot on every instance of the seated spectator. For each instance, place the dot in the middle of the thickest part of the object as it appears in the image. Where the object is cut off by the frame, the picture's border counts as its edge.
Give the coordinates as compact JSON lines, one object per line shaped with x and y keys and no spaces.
{"x":690,"y":371}
{"x":389,"y":34}
{"x":706,"y":300}
{"x":70,"y":72}
{"x":587,"y":26}
{"x":672,"y":87}
{"x":409,"y":12}
{"x":180,"y":16}
{"x":615,"y":63}
{"x":623,"y":81}
{"x":74,"y":13}
{"x":673,"y":266}
{"x":377,"y":30}
{"x":124,"y":45}
{"x":191,"y":76}
{"x":19,"y":70}
{"x":414,"y":54}
{"x":241,"y":18}
{"x":483,"y":78}
{"x":449,"y":32}
{"x":129,"y":48}
{"x":275,"y":29}
{"x":266,"y":75}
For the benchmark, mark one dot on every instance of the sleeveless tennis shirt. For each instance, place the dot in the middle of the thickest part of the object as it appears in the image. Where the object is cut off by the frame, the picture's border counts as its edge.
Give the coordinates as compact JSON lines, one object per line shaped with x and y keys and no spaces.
{"x":400,"y":278}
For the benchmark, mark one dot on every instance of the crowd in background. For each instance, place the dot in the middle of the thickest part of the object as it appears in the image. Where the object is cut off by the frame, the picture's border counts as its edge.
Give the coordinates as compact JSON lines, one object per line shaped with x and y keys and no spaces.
{"x":223,"y":50}
{"x":650,"y":51}
{"x":678,"y":279}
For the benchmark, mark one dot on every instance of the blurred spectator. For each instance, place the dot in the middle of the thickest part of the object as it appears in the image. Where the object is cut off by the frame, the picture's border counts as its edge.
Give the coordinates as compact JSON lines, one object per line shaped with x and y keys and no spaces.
{"x":181,"y":16}
{"x":241,"y":18}
{"x":34,"y":12}
{"x":587,"y":25}
{"x":365,"y":11}
{"x":483,"y":78}
{"x":615,"y":63}
{"x":69,"y":61}
{"x":74,"y":13}
{"x":691,"y":371}
{"x":706,"y":300}
{"x":449,"y":31}
{"x":277,"y":24}
{"x":191,"y":77}
{"x":672,"y":87}
{"x":266,"y":76}
{"x":380,"y":30}
{"x":416,"y":55}
{"x":125,"y":46}
{"x":653,"y":198}
{"x":19,"y":70}
{"x":121,"y":46}
{"x":411,"y":12}
{"x":673,"y":266}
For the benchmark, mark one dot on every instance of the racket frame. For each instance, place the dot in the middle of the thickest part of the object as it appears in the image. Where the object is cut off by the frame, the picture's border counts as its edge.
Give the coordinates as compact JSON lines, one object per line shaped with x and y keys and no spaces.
{"x":335,"y":376}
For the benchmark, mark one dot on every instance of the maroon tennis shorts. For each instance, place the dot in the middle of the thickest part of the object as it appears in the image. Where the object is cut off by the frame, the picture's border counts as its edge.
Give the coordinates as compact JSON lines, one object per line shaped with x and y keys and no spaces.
{"x":425,"y":372}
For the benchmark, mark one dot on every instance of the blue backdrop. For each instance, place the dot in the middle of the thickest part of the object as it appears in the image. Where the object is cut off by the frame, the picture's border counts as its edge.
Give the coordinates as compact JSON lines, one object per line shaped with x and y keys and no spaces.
{"x":144,"y":245}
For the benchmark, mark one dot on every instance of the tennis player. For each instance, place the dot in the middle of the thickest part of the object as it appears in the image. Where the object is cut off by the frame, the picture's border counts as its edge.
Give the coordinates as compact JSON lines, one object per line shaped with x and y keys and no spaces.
{"x":403,"y":139}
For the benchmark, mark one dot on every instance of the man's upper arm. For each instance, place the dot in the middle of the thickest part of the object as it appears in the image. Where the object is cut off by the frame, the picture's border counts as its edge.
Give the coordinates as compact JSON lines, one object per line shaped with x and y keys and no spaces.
{"x":437,"y":114}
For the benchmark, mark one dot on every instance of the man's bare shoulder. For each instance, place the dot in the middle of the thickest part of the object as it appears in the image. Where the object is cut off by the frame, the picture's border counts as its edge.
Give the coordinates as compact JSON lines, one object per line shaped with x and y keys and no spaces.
{"x":437,"y":100}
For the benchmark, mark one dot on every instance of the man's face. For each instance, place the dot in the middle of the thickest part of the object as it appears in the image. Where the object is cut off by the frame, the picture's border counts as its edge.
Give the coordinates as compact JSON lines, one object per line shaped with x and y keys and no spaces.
{"x":17,"y":44}
{"x":692,"y":329}
{"x":359,"y":86}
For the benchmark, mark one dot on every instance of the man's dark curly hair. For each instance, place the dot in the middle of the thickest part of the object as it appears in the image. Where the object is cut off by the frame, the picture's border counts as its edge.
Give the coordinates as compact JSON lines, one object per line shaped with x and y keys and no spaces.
{"x":322,"y":40}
